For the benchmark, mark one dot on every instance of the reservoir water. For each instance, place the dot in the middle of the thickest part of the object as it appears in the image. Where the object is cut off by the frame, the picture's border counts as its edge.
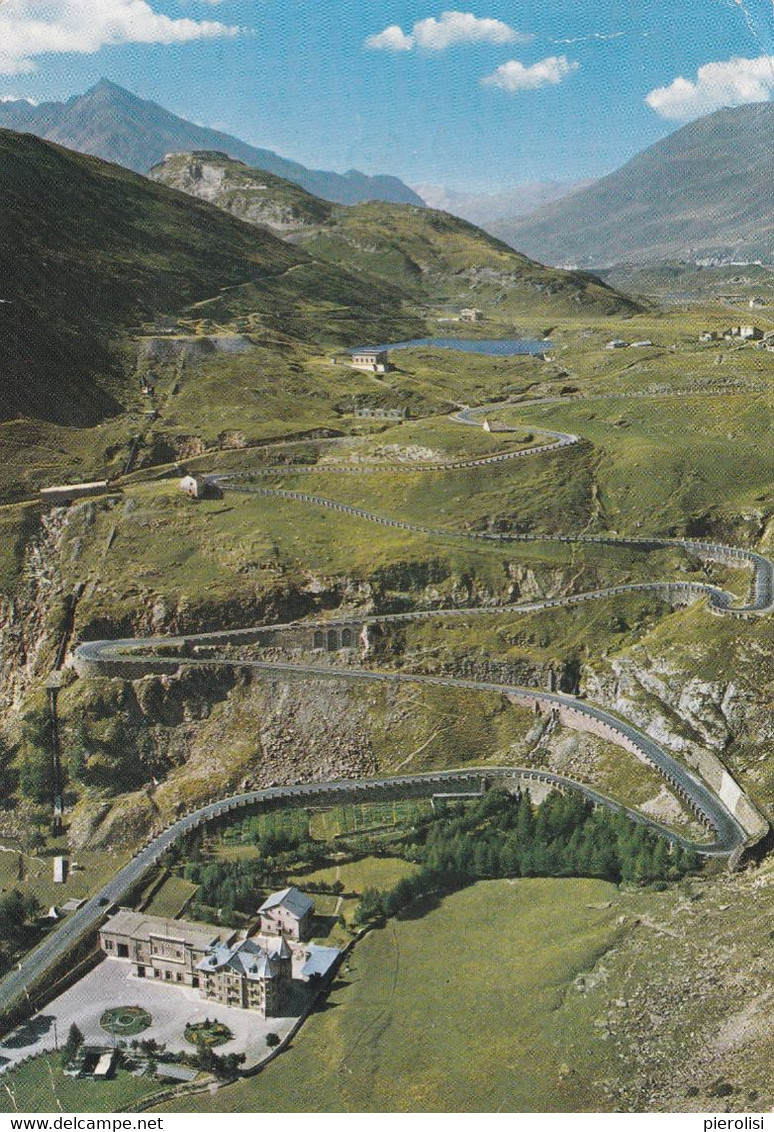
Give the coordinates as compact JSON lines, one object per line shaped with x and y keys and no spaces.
{"x":495,"y":347}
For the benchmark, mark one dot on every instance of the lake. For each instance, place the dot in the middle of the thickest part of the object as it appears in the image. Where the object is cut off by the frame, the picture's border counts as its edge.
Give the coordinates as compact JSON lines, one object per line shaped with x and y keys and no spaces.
{"x":495,"y":347}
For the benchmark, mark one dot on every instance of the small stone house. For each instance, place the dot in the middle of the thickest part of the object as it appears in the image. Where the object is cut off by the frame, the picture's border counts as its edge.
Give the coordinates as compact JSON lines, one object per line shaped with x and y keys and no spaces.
{"x":200,"y":487}
{"x":289,"y":913}
{"x":375,"y":361}
{"x":189,"y":485}
{"x":471,"y":314}
{"x":745,"y":333}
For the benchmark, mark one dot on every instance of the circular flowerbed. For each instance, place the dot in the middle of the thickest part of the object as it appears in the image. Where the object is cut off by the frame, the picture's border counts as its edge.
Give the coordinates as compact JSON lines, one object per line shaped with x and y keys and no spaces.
{"x":207,"y":1033}
{"x":125,"y":1020}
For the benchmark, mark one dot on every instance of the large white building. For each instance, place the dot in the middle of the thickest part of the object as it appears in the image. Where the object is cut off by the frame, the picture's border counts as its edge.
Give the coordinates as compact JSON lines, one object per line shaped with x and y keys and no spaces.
{"x":233,"y":968}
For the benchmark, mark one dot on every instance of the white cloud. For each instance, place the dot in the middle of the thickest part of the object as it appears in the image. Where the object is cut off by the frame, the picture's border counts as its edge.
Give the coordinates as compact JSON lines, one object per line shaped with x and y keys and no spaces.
{"x":29,"y":28}
{"x":732,"y":82}
{"x":448,"y":30}
{"x":391,"y":39}
{"x":18,"y":98}
{"x":514,"y":76}
{"x":462,"y":27}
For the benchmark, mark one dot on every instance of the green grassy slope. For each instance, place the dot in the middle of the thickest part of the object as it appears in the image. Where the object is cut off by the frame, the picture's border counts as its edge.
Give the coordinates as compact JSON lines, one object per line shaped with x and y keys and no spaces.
{"x":454,"y":264}
{"x":436,"y":257}
{"x":454,"y":1011}
{"x":87,"y":249}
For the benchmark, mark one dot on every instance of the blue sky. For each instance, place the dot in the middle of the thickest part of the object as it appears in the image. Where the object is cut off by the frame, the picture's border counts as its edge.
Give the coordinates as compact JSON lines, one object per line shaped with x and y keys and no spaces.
{"x":489,"y":95}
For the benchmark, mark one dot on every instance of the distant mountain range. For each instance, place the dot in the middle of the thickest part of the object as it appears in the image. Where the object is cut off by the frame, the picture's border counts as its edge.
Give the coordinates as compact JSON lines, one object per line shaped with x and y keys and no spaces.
{"x":705,"y":193}
{"x":487,"y":210}
{"x":111,"y":122}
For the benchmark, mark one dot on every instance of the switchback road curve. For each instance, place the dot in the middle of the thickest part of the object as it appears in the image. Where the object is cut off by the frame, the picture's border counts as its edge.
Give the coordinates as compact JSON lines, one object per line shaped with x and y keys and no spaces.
{"x":718,"y":809}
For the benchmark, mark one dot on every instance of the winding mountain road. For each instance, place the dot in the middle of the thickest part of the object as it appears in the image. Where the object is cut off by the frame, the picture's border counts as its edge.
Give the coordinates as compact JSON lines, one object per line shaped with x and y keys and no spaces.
{"x":727,"y":833}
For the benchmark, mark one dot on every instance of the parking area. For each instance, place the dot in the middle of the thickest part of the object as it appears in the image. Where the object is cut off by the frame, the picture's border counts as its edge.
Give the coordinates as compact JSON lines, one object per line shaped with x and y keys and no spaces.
{"x":171,"y":1007}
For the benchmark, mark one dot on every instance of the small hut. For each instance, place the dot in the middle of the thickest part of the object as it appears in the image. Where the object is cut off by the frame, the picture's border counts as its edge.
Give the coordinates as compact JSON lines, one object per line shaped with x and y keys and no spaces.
{"x":200,"y":487}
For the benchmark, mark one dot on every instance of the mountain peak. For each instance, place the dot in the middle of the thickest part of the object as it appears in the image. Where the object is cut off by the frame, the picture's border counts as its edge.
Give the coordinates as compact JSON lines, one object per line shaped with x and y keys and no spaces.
{"x":117,"y":125}
{"x":106,"y":87}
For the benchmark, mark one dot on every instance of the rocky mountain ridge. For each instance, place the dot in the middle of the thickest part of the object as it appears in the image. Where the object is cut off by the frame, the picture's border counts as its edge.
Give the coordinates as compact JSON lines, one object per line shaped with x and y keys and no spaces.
{"x":110,"y":122}
{"x":705,"y":193}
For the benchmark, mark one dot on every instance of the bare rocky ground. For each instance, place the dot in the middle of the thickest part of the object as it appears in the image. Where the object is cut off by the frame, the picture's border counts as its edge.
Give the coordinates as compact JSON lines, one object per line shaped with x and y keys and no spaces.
{"x":609,"y":769}
{"x":682,"y":1008}
{"x":254,"y":735}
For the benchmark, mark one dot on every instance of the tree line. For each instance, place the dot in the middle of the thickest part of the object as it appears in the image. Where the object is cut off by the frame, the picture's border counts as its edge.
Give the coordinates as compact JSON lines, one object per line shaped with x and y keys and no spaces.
{"x":227,"y":889}
{"x":18,"y":914}
{"x":504,"y":835}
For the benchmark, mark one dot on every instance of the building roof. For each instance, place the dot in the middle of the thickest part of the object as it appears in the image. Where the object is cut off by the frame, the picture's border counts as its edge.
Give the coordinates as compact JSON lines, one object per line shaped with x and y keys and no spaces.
{"x":284,"y":950}
{"x":247,"y":958}
{"x":295,"y":902}
{"x":105,"y":1064}
{"x":320,"y":960}
{"x":139,"y":926}
{"x":95,"y":485}
{"x":175,"y":1072}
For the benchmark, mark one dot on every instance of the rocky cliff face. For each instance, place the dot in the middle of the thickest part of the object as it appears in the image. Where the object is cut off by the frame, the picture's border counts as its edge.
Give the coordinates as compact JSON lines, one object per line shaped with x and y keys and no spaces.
{"x":215,"y":731}
{"x":31,"y":618}
{"x":251,"y":194}
{"x":681,"y":697}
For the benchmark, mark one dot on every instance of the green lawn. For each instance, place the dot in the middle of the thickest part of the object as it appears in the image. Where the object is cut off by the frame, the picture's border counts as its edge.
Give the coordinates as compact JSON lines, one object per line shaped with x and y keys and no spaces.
{"x":172,"y":897}
{"x":462,"y":1009}
{"x":40,"y":1086}
{"x":37,"y":874}
{"x":356,"y":876}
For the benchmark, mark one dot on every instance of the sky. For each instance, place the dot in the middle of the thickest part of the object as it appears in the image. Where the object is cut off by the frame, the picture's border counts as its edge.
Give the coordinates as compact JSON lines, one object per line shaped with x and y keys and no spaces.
{"x":473,"y":96}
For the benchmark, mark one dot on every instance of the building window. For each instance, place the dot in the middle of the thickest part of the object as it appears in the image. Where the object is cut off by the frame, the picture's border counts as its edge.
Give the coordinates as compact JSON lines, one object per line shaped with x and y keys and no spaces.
{"x":178,"y":977}
{"x":168,"y":976}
